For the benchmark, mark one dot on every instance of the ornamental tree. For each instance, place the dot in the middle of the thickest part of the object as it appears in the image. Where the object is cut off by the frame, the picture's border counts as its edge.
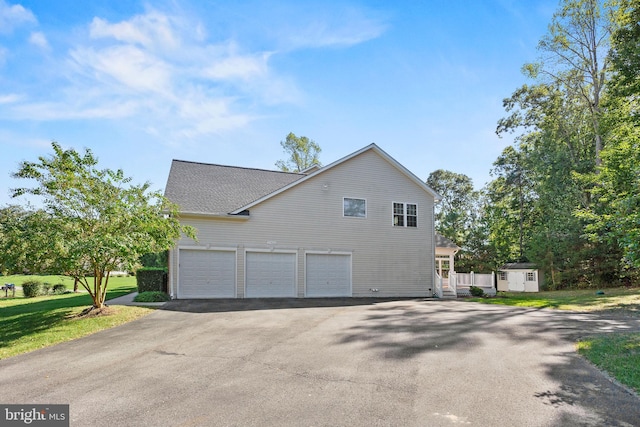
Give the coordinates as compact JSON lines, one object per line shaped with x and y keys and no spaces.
{"x":94,"y":221}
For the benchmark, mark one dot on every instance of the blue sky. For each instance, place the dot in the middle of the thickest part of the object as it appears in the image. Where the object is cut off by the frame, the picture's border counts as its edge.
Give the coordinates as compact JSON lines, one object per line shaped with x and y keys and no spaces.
{"x":141,"y":83}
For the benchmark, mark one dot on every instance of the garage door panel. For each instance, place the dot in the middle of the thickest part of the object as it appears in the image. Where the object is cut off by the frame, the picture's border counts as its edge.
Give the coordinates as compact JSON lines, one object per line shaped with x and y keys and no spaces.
{"x":328,"y":275}
{"x":270,"y":274}
{"x":207,"y":274}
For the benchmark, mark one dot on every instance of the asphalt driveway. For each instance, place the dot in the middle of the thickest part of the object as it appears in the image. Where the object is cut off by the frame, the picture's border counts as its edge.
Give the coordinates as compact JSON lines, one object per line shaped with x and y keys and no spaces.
{"x":329,"y":363}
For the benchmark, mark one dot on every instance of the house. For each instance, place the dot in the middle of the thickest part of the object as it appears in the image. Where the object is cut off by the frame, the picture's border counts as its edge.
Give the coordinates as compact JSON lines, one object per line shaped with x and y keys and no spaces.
{"x":361,"y":226}
{"x":520,"y":277}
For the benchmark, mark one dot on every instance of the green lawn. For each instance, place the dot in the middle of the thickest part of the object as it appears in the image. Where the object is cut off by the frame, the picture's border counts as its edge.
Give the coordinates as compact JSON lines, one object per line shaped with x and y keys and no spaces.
{"x":128,"y":282}
{"x":616,"y":353}
{"x":32,"y":323}
{"x":614,"y":299}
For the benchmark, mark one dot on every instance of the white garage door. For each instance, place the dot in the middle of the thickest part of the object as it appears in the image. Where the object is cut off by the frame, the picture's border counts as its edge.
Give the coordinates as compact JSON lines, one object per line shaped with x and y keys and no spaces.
{"x":270,"y":274}
{"x":206,"y":274}
{"x":328,"y":275}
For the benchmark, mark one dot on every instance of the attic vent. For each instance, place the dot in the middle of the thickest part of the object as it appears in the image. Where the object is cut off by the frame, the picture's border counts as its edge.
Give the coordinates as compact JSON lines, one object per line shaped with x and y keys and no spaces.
{"x":244,"y":212}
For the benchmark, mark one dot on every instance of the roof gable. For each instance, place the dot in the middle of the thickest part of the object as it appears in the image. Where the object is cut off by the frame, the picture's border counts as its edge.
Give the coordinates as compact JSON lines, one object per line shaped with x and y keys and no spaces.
{"x":371,"y":147}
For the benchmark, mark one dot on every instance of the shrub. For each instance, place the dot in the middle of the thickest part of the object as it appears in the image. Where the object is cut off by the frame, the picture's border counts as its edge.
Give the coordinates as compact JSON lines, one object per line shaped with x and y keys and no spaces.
{"x":59,"y":289}
{"x":46,"y":288}
{"x":32,"y":288}
{"x":151,"y":296}
{"x":476,"y":291}
{"x":151,"y":279}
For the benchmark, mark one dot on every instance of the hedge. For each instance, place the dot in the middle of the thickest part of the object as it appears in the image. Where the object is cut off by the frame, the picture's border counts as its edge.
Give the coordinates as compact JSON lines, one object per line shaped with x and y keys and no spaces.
{"x":150,"y":279}
{"x":32,"y":288}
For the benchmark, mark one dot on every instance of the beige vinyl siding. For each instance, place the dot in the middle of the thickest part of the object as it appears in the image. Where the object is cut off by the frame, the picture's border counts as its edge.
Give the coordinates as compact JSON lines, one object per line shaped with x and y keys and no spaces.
{"x":398,"y":261}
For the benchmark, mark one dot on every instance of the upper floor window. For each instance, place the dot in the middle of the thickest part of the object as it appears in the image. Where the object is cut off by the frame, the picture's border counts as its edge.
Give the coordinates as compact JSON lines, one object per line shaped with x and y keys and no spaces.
{"x":405,"y":214}
{"x":354,"y":207}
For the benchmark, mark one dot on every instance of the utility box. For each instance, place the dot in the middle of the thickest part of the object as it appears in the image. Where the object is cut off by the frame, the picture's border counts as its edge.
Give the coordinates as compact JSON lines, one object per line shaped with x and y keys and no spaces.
{"x":519,"y":277}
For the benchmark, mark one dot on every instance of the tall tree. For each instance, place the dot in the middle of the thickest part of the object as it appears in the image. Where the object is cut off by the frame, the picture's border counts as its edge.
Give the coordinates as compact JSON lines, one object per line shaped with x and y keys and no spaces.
{"x":458,"y":216}
{"x":625,"y":52}
{"x":510,"y":197}
{"x":454,"y":213}
{"x":560,"y":147}
{"x":94,"y":220}
{"x":303,"y":153}
{"x":575,"y":55}
{"x":614,"y":218}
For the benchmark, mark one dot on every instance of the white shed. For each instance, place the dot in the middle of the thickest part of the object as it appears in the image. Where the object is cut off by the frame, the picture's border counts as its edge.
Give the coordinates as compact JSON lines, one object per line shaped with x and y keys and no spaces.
{"x":520,"y":277}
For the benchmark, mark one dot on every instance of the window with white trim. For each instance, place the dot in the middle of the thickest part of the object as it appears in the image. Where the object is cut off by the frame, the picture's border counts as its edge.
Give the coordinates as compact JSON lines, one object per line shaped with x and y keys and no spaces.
{"x":354,"y":207}
{"x":405,"y":214}
{"x":531,"y":276}
{"x":502,"y":275}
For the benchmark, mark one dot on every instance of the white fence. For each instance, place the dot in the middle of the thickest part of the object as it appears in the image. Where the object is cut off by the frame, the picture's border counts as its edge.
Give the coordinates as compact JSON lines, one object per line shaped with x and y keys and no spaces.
{"x":465,"y":280}
{"x":437,"y":292}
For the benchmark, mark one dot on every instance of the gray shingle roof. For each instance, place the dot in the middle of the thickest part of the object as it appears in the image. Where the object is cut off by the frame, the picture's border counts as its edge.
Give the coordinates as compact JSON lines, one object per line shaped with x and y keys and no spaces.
{"x":443,"y":242}
{"x":518,"y":266}
{"x":217,"y":189}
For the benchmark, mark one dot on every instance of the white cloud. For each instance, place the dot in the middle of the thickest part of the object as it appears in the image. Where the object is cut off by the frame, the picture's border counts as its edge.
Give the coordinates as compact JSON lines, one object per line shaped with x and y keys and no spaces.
{"x":333,"y":28}
{"x":161,"y":72}
{"x":149,"y":30}
{"x":10,"y":98}
{"x":38,"y":38}
{"x":46,"y":111}
{"x":242,"y":67}
{"x":13,"y":16}
{"x":128,"y":66}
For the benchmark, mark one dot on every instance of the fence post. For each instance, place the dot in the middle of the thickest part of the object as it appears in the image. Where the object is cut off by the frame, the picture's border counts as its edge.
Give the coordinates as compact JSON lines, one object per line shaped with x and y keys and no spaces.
{"x":473,"y":279}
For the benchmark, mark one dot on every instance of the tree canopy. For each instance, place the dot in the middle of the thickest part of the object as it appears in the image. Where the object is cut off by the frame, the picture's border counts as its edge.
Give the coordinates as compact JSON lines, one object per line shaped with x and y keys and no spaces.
{"x":93,"y":221}
{"x":454,"y":212}
{"x":302,"y":151}
{"x":565,"y":194}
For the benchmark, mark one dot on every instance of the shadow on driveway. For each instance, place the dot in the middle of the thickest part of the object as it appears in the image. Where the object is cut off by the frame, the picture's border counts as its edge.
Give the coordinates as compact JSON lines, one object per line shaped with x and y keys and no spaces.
{"x":250,"y":304}
{"x":584,"y":397}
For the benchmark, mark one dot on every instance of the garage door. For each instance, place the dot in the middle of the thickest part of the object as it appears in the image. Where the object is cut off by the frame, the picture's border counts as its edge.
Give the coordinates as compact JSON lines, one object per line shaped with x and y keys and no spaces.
{"x":270,"y":274}
{"x":206,"y":274}
{"x":328,"y":275}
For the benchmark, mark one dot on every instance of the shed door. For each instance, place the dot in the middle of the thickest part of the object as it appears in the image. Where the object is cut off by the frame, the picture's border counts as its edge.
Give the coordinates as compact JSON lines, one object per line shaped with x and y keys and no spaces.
{"x":516,"y":281}
{"x":270,"y":275}
{"x":328,"y":275}
{"x":206,"y":274}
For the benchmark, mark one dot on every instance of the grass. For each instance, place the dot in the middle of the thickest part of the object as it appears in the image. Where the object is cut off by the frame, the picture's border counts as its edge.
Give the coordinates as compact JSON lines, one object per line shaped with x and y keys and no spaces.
{"x":614,"y":299}
{"x":618,"y":354}
{"x":114,"y":282}
{"x":32,"y":323}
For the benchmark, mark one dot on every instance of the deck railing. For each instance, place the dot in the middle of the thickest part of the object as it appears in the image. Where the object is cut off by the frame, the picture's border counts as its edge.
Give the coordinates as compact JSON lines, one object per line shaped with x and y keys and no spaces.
{"x":465,"y":280}
{"x":453,"y":282}
{"x":437,"y":292}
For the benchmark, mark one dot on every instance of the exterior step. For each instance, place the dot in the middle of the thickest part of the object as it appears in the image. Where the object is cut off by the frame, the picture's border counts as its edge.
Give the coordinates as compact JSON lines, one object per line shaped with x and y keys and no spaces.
{"x":447,"y":294}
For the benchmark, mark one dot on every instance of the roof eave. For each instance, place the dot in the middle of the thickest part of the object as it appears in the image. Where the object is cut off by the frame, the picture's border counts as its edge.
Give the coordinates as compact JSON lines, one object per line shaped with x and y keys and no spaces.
{"x":229,"y":216}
